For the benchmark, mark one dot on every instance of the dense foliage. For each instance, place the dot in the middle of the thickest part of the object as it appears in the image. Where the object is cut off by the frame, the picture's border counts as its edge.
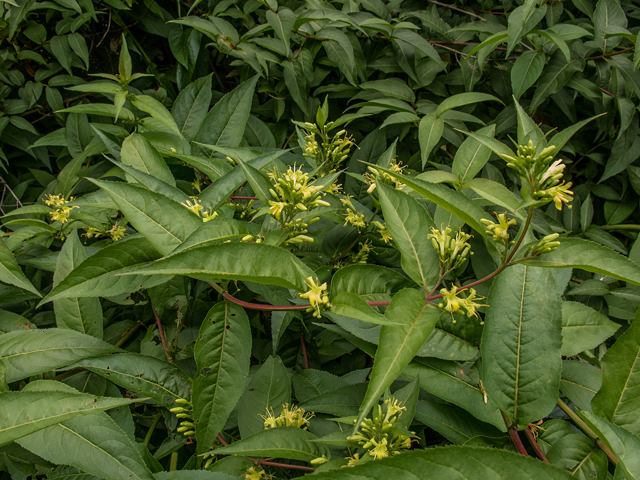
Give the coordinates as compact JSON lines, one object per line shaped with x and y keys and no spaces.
{"x":260,"y":239}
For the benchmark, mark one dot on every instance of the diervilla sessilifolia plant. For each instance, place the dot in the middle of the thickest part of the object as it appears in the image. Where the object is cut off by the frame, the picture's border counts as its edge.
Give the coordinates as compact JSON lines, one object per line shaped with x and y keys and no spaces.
{"x":309,"y":247}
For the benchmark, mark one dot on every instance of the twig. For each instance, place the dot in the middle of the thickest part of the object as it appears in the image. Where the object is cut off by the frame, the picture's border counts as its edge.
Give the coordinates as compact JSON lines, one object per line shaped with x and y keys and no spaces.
{"x":162,"y":337}
{"x":534,"y":444}
{"x":106,"y":31}
{"x":222,"y":440}
{"x":606,"y":55}
{"x":303,"y":345}
{"x":453,"y":7}
{"x":513,"y":435}
{"x":605,"y":91}
{"x":156,"y":419}
{"x":524,"y":232}
{"x":621,"y":227}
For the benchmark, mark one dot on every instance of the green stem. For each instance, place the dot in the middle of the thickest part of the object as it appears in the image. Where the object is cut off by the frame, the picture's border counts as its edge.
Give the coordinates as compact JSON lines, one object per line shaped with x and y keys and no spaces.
{"x":524,"y":232}
{"x":173,"y":464}
{"x":153,"y":426}
{"x":621,"y":227}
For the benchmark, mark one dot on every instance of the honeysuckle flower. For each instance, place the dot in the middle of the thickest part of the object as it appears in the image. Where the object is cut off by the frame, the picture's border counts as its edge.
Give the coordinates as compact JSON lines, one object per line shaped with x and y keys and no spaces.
{"x":193,"y":205}
{"x":291,"y":416}
{"x":452,"y":252}
{"x":317,"y":296}
{"x":379,"y":450}
{"x":452,"y":302}
{"x":546,"y":245}
{"x":500,"y":231}
{"x":116,"y":232}
{"x":207,"y":216}
{"x":355,"y":219}
{"x":558,"y":194}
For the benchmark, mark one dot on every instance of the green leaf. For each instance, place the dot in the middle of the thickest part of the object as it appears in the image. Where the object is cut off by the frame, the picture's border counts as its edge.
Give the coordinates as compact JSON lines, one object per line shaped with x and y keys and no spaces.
{"x":201,"y":474}
{"x":472,"y":156}
{"x":429,"y":133}
{"x":140,"y":374}
{"x":27,"y":412}
{"x":556,"y":74}
{"x":222,"y":354}
{"x":340,"y":51}
{"x":496,"y":146}
{"x":528,"y":130}
{"x":282,"y":24}
{"x":269,"y":388}
{"x":213,"y":167}
{"x":521,"y":343}
{"x":282,"y":442}
{"x":372,"y":282}
{"x":83,"y":315}
{"x":30,"y":352}
{"x":454,"y":423}
{"x":526,"y":70}
{"x":409,"y":224}
{"x":62,"y":51}
{"x":617,"y":400}
{"x":583,"y":328}
{"x":578,"y":454}
{"x":79,"y":45}
{"x":447,"y":346}
{"x":97,"y":274}
{"x":462,"y":99}
{"x":11,"y":273}
{"x":252,"y":262}
{"x":138,"y":152}
{"x":392,"y":87}
{"x":259,"y":182}
{"x":580,"y":382}
{"x":157,"y":111}
{"x":454,"y":202}
{"x":453,"y":462}
{"x":624,"y":444}
{"x":353,"y":306}
{"x":399,"y":343}
{"x":212,"y":232}
{"x":190,"y":108}
{"x":418,"y":43}
{"x":589,"y":256}
{"x":226,"y":121}
{"x":152,"y":183}
{"x":165,"y":223}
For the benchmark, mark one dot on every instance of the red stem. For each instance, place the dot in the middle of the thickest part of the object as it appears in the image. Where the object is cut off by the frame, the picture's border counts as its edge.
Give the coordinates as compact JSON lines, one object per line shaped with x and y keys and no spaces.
{"x":222,"y":440}
{"x":284,"y":465}
{"x":534,"y":444}
{"x":237,"y":197}
{"x":162,"y":337}
{"x":303,"y":345}
{"x":263,"y":307}
{"x":515,"y":438}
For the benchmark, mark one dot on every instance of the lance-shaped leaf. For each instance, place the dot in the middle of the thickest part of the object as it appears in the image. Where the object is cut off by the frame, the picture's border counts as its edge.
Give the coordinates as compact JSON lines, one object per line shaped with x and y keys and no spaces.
{"x":353,"y":306}
{"x":24,"y":413}
{"x":399,"y":343}
{"x":583,"y":328}
{"x":409,"y":224}
{"x":191,"y":106}
{"x":138,"y":153}
{"x":218,"y":231}
{"x":152,"y":183}
{"x":430,"y":131}
{"x":560,"y":139}
{"x":259,"y":183}
{"x":97,"y":273}
{"x":624,"y":444}
{"x":165,"y":223}
{"x":371,"y":282}
{"x":521,"y":343}
{"x":30,"y":352}
{"x":222,"y":354}
{"x":618,"y":400}
{"x":282,"y":442}
{"x":580,"y":382}
{"x":589,"y":256}
{"x":140,"y":374}
{"x":251,"y":262}
{"x":578,"y":454}
{"x":472,"y":156}
{"x":11,"y":273}
{"x":462,"y":99}
{"x":83,"y":315}
{"x":455,"y":462}
{"x":455,"y":202}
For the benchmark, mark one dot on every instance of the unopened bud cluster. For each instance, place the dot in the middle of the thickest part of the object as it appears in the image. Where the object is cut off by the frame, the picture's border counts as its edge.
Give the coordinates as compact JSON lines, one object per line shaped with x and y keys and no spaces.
{"x":546,"y":245}
{"x":543,"y":177}
{"x":185,"y":412}
{"x":452,"y":252}
{"x":317,"y":296}
{"x":500,"y":231}
{"x":380,"y":434}
{"x":115,"y":232}
{"x":291,"y":416}
{"x":378,"y":176}
{"x":332,"y":151}
{"x":452,"y":302}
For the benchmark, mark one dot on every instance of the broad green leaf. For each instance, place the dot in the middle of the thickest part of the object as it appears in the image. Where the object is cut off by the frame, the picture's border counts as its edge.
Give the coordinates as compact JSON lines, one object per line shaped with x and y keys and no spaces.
{"x":445,"y":345}
{"x":399,"y":343}
{"x":453,"y":462}
{"x":282,"y":442}
{"x":583,"y":328}
{"x":589,"y":256}
{"x":191,"y":106}
{"x":353,"y":306}
{"x":343,"y":401}
{"x":140,"y":374}
{"x":201,"y":474}
{"x":212,"y":167}
{"x":556,"y":74}
{"x":152,"y":183}
{"x":24,"y":413}
{"x":83,"y":315}
{"x":472,"y":156}
{"x":252,"y":262}
{"x":30,"y":352}
{"x":624,"y":444}
{"x":393,"y":87}
{"x":429,"y":133}
{"x":10,"y":321}
{"x":259,"y":182}
{"x":226,"y":121}
{"x":11,"y":273}
{"x":463,"y":99}
{"x":269,"y":388}
{"x":418,"y":43}
{"x":528,"y":130}
{"x":282,"y":24}
{"x":496,"y":193}
{"x":618,"y":400}
{"x":101,"y":109}
{"x":410,"y":224}
{"x":138,"y":152}
{"x":578,"y":454}
{"x":217,"y":231}
{"x":608,"y":14}
{"x":521,"y":343}
{"x":580,"y":382}
{"x":62,"y":51}
{"x":526,"y":70}
{"x":222,"y":353}
{"x":165,"y":223}
{"x":97,"y":274}
{"x":455,"y":202}
{"x":454,"y":423}
{"x":157,"y":110}
{"x":496,"y":146}
{"x":560,"y":139}
{"x":372,"y":282}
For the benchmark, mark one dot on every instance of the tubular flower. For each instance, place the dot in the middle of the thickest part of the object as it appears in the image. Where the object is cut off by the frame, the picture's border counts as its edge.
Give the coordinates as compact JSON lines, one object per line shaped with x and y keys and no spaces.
{"x":558,"y":193}
{"x":291,"y":416}
{"x":317,"y":296}
{"x":500,"y":231}
{"x":383,"y":177}
{"x":546,"y":245}
{"x":452,"y":303}
{"x":194,"y":205}
{"x":116,"y":232}
{"x":62,"y":212}
{"x":256,"y":473}
{"x":452,"y":252}
{"x":355,"y":219}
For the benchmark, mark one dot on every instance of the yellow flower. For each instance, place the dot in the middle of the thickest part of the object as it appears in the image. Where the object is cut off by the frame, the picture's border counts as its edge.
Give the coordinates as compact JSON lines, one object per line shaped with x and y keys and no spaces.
{"x":452,"y":303}
{"x":379,"y":450}
{"x":194,"y":206}
{"x":254,"y":473}
{"x":92,"y":232}
{"x":117,"y":232}
{"x":291,"y":416}
{"x":500,"y":230}
{"x":355,"y":219}
{"x":207,"y":216}
{"x":55,"y":200}
{"x":61,"y":214}
{"x":317,"y":296}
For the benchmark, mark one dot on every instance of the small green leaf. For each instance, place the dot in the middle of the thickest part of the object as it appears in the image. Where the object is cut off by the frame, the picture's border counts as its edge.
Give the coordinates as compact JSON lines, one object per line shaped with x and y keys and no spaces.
{"x":463,"y":99}
{"x":138,"y":152}
{"x":580,"y":382}
{"x":583,"y":328}
{"x":430,"y":131}
{"x":526,"y":70}
{"x":11,"y":273}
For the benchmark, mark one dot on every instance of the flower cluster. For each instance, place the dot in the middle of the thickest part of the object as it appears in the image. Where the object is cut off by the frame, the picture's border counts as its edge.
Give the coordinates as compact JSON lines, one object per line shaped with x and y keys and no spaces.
{"x":115,"y":233}
{"x":543,"y":177}
{"x":452,"y":302}
{"x":500,"y":230}
{"x":452,"y":252}
{"x":333,"y":151}
{"x":383,"y":177}
{"x":291,"y":416}
{"x":353,"y":217}
{"x":379,"y":435}
{"x":317,"y":296}
{"x":546,"y":245}
{"x":62,"y":212}
{"x":257,"y":473}
{"x":187,"y":427}
{"x":195,"y":207}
